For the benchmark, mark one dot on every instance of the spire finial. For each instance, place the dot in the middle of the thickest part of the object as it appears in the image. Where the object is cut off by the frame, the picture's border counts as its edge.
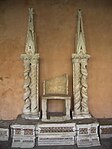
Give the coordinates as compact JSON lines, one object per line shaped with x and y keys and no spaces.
{"x":30,"y":42}
{"x":80,"y":47}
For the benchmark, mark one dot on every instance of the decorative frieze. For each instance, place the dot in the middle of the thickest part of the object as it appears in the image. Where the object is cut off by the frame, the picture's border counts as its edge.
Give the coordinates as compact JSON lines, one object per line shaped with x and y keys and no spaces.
{"x":23,"y":136}
{"x":87,"y":135}
{"x":106,"y":131}
{"x":56,"y":134}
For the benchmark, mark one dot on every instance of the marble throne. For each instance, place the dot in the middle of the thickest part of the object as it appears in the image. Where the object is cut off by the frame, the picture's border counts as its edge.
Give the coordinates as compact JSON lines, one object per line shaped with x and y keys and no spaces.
{"x":56,"y":126}
{"x":55,"y":93}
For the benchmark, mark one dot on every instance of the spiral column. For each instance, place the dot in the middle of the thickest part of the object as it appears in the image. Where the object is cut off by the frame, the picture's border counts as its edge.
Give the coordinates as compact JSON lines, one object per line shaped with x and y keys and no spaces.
{"x":31,"y":73}
{"x":84,"y":89}
{"x":27,"y":81}
{"x":80,"y":87}
{"x":34,"y":85}
{"x":76,"y":86}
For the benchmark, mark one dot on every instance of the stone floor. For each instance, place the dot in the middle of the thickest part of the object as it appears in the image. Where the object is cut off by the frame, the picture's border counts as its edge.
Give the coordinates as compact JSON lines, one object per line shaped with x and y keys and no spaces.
{"x":105,"y":144}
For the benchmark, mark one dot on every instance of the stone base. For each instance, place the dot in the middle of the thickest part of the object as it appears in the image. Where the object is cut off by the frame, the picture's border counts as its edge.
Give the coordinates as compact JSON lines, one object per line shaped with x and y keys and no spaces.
{"x":80,"y":116}
{"x":83,"y":132}
{"x":23,"y":136}
{"x":87,"y":134}
{"x":23,"y":133}
{"x":30,"y":116}
{"x":4,"y":129}
{"x":23,"y":142}
{"x":57,"y":119}
{"x":87,"y":141}
{"x":106,"y":131}
{"x":56,"y":134}
{"x":4,"y":134}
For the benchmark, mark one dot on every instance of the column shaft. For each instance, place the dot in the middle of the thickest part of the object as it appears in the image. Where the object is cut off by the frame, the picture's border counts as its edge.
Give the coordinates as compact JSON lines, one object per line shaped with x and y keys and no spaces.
{"x":27,"y":92}
{"x":34,"y":86}
{"x":76,"y":84}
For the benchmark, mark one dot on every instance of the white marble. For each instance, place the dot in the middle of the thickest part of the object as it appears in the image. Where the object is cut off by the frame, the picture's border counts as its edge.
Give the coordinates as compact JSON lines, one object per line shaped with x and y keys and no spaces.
{"x":87,"y":135}
{"x":80,"y":87}
{"x":106,"y":131}
{"x":31,"y":73}
{"x":65,"y":117}
{"x":56,"y":134}
{"x":4,"y":134}
{"x":23,"y":136}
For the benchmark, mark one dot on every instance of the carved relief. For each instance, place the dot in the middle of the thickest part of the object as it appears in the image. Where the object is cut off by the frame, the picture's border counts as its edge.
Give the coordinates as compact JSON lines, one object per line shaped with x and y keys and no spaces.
{"x":31,"y":66}
{"x":79,"y":60}
{"x":57,"y":85}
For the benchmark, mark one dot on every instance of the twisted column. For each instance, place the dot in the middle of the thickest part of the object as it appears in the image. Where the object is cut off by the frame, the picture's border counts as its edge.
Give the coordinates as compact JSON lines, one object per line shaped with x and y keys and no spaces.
{"x":27,"y":81}
{"x":77,"y":85}
{"x":37,"y":85}
{"x":84,"y":89}
{"x":80,"y":82}
{"x":34,"y":85}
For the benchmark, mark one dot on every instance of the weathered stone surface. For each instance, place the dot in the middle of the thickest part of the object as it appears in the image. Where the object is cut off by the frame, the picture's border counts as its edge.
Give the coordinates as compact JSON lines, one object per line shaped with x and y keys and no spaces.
{"x":31,"y":74}
{"x":50,"y":134}
{"x":23,"y":133}
{"x":80,"y":87}
{"x":57,"y":85}
{"x":87,"y":133}
{"x":56,"y":118}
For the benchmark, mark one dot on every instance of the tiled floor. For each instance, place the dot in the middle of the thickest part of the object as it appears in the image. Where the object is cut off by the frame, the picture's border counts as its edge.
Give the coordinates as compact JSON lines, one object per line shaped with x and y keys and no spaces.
{"x":105,"y":144}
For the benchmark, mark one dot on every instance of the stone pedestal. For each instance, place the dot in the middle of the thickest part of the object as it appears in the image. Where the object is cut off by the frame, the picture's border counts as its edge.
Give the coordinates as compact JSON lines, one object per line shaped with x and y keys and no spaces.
{"x":106,"y":131}
{"x":105,"y":128}
{"x":50,"y":134}
{"x":87,"y":133}
{"x":4,"y":130}
{"x":23,"y":133}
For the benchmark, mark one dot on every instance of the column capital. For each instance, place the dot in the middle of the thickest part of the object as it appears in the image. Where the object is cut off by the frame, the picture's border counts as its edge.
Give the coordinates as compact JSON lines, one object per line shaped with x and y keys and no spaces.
{"x":77,"y":58}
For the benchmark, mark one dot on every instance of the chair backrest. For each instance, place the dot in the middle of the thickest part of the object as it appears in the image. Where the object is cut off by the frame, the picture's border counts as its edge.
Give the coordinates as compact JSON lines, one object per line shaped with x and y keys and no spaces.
{"x":57,"y":85}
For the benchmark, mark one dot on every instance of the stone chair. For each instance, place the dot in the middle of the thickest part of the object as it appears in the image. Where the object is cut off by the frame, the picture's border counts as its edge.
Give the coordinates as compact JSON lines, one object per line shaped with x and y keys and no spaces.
{"x":55,"y":93}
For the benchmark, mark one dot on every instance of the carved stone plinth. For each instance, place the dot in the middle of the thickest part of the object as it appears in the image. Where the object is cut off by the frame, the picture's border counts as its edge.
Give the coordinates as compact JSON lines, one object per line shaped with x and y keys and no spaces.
{"x":55,"y":118}
{"x":23,"y":136}
{"x":56,"y":134}
{"x":4,"y":134}
{"x":23,"y":133}
{"x":87,"y":133}
{"x":106,"y":131}
{"x":4,"y":129}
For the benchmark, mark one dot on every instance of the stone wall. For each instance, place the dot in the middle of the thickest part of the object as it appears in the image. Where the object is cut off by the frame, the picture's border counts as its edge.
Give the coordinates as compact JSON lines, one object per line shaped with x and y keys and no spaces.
{"x":55,"y":23}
